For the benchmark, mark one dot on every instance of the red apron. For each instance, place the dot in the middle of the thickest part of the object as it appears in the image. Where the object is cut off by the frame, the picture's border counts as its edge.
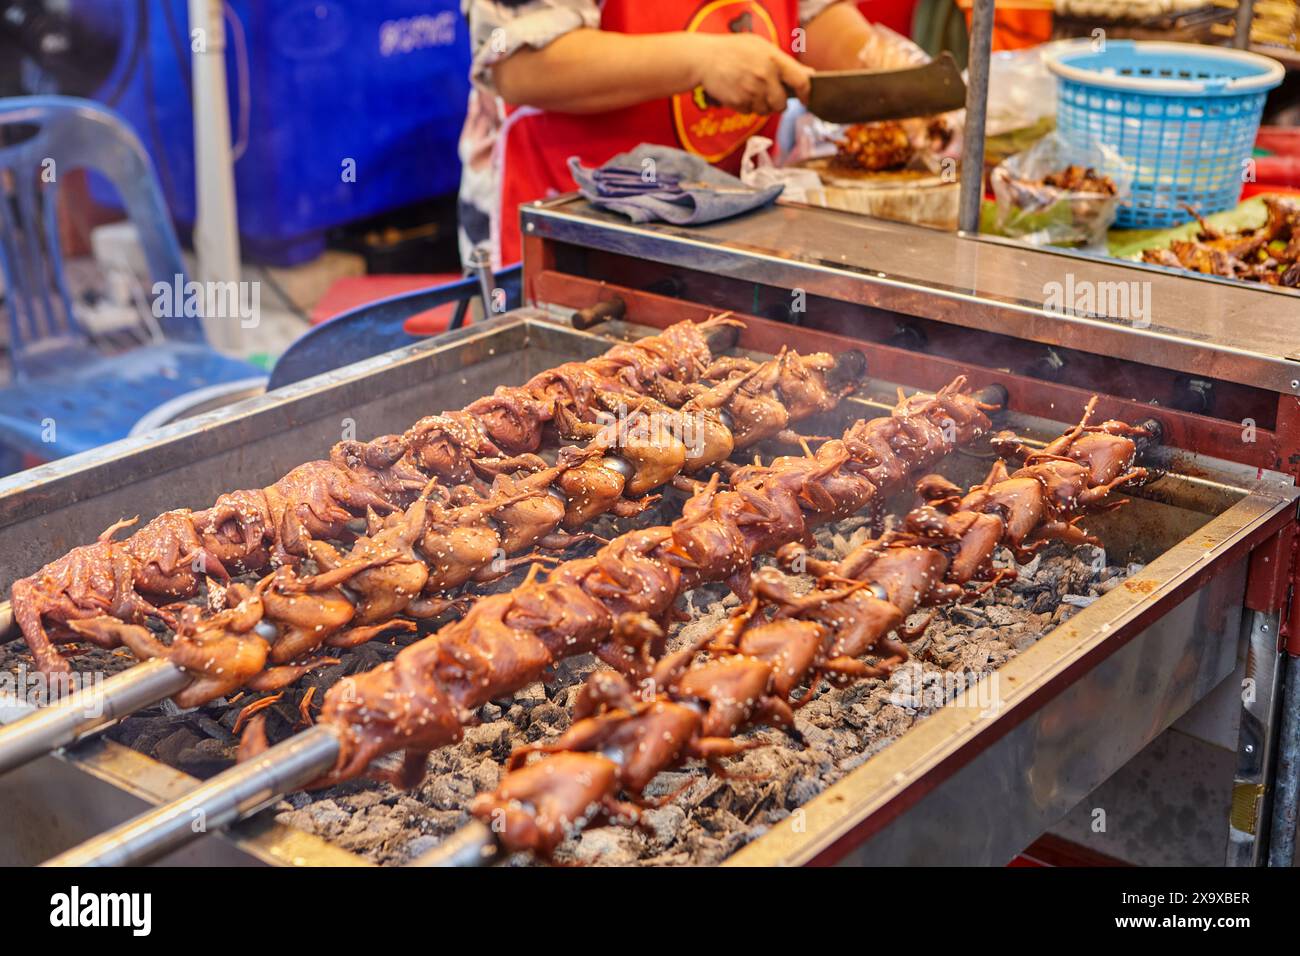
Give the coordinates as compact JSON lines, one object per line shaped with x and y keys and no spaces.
{"x":534,"y":147}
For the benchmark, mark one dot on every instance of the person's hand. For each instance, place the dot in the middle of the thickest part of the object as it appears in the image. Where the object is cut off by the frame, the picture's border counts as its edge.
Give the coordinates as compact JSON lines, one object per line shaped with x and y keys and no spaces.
{"x":747,"y":73}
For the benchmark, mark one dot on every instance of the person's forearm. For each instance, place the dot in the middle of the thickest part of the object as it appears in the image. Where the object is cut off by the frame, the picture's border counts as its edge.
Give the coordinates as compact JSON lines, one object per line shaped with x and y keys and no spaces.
{"x":835,"y":37}
{"x":840,"y":38}
{"x":591,"y":71}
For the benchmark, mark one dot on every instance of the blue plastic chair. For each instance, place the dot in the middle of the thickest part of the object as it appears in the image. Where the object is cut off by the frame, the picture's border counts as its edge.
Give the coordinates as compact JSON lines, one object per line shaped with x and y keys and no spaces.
{"x":67,"y":395}
{"x":377,"y":327}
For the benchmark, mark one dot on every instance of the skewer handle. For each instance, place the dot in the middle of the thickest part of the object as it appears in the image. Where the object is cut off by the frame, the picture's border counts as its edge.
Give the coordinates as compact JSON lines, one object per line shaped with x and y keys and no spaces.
{"x":996,"y":395}
{"x":614,"y":308}
{"x":8,"y":626}
{"x":472,"y":845}
{"x":227,"y":797}
{"x":89,"y":709}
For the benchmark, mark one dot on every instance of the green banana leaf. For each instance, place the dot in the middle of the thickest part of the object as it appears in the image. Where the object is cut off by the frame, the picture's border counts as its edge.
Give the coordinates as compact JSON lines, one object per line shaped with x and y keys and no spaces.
{"x":1131,"y":243}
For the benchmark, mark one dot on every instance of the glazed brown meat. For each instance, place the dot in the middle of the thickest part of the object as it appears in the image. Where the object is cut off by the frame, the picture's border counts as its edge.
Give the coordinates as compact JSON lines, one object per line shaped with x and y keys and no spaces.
{"x":248,"y":530}
{"x":408,"y":560}
{"x":223,"y":651}
{"x":1269,"y":254}
{"x":613,"y":602}
{"x":745,"y":674}
{"x":874,"y":147}
{"x":90,"y":581}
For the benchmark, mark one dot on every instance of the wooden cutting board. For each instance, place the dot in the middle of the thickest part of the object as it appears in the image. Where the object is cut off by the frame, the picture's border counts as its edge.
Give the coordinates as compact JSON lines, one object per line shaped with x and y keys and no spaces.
{"x":905,"y":195}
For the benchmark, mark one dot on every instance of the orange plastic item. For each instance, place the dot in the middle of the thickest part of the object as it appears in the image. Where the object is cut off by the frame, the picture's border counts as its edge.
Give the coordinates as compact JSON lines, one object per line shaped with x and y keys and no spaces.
{"x":348,"y":293}
{"x":1016,"y":23}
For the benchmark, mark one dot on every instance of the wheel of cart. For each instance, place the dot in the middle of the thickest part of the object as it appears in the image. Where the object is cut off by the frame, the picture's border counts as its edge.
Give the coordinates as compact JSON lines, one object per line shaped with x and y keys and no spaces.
{"x":378,"y":327}
{"x":70,"y":395}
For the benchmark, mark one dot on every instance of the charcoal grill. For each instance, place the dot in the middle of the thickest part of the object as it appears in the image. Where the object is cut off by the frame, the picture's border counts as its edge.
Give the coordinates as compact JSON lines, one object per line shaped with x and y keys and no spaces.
{"x":1170,"y":648}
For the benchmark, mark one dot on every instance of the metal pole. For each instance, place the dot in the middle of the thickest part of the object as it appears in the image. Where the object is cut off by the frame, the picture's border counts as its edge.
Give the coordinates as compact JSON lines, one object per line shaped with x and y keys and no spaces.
{"x":229,"y":796}
{"x":480,"y":261}
{"x":471,"y":845}
{"x":977,"y":101}
{"x":88,"y":710}
{"x":216,"y":226}
{"x":8,"y":626}
{"x":1286,"y":782}
{"x":1245,"y":15}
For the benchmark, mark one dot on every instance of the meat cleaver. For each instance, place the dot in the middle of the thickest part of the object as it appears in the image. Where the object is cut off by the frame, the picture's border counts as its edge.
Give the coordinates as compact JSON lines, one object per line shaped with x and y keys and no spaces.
{"x":863,"y":96}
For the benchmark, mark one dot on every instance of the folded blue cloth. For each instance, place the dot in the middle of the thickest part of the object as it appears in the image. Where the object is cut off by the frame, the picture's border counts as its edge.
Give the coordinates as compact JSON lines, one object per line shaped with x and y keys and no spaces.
{"x":660,"y":183}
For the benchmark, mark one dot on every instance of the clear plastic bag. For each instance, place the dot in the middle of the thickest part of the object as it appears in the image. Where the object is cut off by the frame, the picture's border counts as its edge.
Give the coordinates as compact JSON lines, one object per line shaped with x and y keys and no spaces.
{"x":758,"y":170}
{"x":1021,"y":90}
{"x":1045,"y":215}
{"x":887,"y":50}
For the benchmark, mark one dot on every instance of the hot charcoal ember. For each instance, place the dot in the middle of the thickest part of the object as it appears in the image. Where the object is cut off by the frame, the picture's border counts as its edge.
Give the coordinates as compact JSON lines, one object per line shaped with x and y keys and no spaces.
{"x":747,"y":672}
{"x":614,"y":603}
{"x":1269,"y":254}
{"x":874,"y":147}
{"x":248,"y":530}
{"x":409,"y":561}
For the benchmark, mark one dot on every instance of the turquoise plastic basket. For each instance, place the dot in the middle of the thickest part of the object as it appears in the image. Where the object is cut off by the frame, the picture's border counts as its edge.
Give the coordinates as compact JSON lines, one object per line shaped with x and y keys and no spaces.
{"x":1184,"y":116}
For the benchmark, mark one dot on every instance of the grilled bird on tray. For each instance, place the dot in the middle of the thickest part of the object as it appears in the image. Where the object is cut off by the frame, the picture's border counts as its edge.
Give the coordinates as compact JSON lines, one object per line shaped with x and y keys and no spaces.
{"x":249,"y":530}
{"x":616,"y":603}
{"x":746,"y":672}
{"x":403,"y":565}
{"x":1269,"y":254}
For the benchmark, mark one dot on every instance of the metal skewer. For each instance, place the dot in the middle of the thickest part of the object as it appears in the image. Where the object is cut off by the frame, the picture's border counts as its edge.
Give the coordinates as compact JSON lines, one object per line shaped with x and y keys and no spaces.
{"x":230,"y":796}
{"x":249,"y":786}
{"x":94,"y":708}
{"x":474,"y":844}
{"x":88,"y":710}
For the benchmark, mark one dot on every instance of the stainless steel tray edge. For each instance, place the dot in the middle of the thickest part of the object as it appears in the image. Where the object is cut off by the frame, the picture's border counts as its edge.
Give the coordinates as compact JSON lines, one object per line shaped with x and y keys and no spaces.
{"x":1221,"y":329}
